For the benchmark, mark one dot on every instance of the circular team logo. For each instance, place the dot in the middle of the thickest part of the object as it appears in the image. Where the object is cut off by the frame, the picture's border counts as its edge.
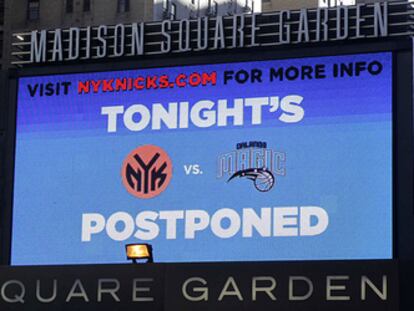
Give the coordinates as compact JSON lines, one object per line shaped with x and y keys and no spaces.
{"x":146,"y":171}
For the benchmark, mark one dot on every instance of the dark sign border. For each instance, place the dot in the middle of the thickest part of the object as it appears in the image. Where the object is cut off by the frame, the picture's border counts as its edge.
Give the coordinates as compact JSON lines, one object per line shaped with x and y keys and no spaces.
{"x":403,"y":211}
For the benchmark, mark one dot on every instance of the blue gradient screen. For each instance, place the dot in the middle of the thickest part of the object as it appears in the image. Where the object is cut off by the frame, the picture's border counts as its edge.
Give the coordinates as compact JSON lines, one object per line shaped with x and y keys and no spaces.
{"x":265,"y":160}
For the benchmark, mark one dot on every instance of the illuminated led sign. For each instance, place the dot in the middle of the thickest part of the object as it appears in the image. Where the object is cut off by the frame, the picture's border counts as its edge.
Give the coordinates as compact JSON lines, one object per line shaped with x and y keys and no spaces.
{"x":266,"y":160}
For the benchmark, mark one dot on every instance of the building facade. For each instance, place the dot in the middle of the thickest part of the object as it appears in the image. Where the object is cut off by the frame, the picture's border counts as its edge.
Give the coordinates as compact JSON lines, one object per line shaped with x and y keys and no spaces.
{"x":179,"y":9}
{"x":28,"y":14}
{"x":275,"y":5}
{"x":24,"y":15}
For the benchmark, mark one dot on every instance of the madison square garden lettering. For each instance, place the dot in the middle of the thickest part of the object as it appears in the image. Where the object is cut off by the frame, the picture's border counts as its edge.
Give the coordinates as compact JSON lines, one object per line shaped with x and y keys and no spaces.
{"x":286,"y":27}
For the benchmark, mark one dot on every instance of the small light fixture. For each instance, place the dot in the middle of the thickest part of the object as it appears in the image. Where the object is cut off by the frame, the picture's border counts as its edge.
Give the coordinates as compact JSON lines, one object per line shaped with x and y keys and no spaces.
{"x":137,"y":252}
{"x":20,"y":37}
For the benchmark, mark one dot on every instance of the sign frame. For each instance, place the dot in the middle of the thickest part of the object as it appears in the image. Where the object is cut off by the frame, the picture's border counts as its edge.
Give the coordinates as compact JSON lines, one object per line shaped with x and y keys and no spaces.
{"x":403,"y":152}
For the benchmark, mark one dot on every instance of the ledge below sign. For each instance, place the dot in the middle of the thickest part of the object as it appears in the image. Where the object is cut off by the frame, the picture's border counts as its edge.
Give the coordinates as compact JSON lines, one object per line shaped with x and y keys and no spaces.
{"x":338,"y":285}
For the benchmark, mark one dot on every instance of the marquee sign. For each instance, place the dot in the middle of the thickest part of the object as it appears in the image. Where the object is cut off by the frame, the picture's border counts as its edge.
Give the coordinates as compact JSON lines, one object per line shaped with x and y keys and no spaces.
{"x":370,"y":285}
{"x":362,"y":21}
{"x":265,"y":160}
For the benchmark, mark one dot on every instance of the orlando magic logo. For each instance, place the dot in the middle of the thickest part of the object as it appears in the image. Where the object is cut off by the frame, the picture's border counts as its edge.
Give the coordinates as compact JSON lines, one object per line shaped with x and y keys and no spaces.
{"x":255,"y":162}
{"x":262,"y":178}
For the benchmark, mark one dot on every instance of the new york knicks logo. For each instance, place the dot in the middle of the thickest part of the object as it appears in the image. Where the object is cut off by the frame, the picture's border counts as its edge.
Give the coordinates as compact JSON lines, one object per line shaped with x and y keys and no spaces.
{"x":146,"y":171}
{"x":255,"y":162}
